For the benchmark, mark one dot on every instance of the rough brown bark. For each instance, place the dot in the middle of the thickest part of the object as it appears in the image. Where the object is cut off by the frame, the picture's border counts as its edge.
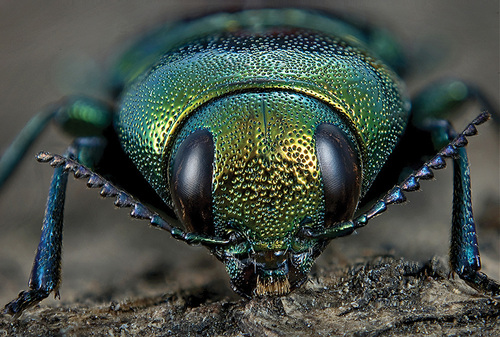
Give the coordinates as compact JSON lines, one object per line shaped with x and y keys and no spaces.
{"x":381,"y":296}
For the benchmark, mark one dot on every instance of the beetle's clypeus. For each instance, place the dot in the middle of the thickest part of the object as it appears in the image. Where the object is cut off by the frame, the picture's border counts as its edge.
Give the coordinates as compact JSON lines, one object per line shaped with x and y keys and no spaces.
{"x":263,"y":132}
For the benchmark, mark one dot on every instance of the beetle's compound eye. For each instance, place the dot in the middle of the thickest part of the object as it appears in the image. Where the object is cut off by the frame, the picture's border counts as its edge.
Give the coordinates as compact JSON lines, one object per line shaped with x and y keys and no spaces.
{"x":340,"y":171}
{"x":191,"y":182}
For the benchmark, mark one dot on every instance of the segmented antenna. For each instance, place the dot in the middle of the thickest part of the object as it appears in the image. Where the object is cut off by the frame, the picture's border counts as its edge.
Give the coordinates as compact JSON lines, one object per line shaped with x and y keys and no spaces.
{"x":412,"y":183}
{"x":396,"y":194}
{"x":124,"y":199}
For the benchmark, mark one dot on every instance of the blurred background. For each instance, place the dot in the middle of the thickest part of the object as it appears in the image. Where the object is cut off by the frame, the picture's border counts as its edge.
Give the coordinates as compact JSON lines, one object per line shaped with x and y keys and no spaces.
{"x":55,"y":48}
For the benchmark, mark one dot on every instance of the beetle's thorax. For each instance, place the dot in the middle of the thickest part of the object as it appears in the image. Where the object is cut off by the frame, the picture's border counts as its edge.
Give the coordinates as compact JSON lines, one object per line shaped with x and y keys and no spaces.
{"x":277,"y":59}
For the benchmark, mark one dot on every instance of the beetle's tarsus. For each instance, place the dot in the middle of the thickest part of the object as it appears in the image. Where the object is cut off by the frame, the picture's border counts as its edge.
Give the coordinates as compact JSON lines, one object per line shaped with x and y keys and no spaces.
{"x":25,"y":300}
{"x":482,"y":283}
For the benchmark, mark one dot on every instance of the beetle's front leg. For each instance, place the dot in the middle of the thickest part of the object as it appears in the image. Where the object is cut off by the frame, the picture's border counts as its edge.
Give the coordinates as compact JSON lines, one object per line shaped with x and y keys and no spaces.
{"x":464,"y":251}
{"x":46,"y":272}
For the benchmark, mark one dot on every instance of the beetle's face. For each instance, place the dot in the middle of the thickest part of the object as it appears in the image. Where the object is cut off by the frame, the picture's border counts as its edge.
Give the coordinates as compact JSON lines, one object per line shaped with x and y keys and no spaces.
{"x":256,"y":168}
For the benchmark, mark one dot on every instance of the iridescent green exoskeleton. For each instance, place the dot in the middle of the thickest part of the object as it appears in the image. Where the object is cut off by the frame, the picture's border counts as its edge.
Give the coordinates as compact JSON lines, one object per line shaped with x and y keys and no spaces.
{"x":262,"y":132}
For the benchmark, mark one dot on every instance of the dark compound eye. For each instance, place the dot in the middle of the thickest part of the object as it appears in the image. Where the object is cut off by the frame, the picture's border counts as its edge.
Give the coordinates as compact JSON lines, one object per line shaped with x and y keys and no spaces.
{"x":340,"y":171}
{"x":191,"y":182}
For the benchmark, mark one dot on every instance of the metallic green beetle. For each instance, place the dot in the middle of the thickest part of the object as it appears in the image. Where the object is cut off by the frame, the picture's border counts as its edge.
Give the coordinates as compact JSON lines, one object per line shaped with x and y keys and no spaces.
{"x":262,"y":131}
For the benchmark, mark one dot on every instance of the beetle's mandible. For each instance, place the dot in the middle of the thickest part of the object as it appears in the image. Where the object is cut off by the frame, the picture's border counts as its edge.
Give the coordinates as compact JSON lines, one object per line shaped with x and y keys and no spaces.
{"x":263,"y":132}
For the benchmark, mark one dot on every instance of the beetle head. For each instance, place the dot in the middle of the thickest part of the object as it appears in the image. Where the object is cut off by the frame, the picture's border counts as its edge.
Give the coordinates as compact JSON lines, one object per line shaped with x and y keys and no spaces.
{"x":258,"y":168}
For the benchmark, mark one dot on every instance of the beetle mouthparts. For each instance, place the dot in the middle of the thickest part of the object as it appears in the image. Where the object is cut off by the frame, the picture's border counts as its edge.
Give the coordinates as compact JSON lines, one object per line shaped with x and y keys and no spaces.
{"x":272,"y":286}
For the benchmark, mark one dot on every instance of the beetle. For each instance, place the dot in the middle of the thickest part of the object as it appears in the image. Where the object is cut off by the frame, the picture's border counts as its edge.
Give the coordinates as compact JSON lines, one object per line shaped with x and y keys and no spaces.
{"x":263,"y":133}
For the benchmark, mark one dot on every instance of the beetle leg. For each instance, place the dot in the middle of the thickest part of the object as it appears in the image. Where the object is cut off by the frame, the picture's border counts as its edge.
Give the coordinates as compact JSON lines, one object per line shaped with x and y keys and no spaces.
{"x":429,"y":107}
{"x":464,"y":251}
{"x":77,"y":115}
{"x":438,"y":100}
{"x":46,"y":272}
{"x":15,"y":152}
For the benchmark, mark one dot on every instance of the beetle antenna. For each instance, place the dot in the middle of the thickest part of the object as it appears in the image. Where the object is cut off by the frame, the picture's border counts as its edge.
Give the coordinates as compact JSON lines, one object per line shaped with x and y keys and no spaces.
{"x":396,"y":194}
{"x":124,"y":199}
{"x":411,"y":183}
